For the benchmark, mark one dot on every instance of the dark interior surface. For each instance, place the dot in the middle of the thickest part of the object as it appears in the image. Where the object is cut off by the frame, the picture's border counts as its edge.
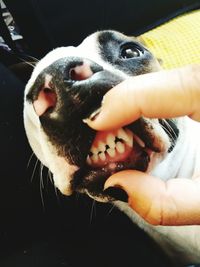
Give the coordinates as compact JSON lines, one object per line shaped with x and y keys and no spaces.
{"x":38,"y":226}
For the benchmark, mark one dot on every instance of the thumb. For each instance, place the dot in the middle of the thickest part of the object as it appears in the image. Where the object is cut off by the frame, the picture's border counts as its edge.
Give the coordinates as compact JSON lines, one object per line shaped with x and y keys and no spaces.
{"x":163,"y":94}
{"x":175,"y":202}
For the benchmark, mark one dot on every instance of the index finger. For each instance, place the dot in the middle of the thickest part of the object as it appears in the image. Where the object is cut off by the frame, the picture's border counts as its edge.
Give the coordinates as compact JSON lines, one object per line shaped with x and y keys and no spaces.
{"x":163,"y":94}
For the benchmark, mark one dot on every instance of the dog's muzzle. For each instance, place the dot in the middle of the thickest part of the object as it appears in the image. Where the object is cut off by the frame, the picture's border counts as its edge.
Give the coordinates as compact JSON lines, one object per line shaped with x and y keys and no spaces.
{"x":69,"y":72}
{"x":65,"y":93}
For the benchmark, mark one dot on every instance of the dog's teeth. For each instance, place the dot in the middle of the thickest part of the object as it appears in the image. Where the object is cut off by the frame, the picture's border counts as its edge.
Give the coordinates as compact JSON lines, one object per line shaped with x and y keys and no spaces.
{"x":110,"y":140}
{"x":101,"y":146}
{"x":102,"y":156}
{"x":89,"y":162}
{"x":139,"y":141}
{"x":129,"y":140}
{"x":95,"y":158}
{"x":122,"y":134}
{"x":120,"y":147}
{"x":94,"y":150}
{"x":111,"y":152}
{"x":126,"y":136}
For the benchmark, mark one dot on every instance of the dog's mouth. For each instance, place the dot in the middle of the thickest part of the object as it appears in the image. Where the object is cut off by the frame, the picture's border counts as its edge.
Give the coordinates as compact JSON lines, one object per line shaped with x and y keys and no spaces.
{"x":117,"y":149}
{"x":130,"y":147}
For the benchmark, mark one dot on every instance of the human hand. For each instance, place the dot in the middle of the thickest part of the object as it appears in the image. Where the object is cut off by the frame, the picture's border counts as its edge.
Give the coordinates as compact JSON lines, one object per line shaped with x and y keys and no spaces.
{"x":172,"y":202}
{"x":177,"y":201}
{"x":146,"y":96}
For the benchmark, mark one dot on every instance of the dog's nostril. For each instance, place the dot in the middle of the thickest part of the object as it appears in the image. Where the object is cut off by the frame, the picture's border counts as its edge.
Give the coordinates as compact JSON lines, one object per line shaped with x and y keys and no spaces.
{"x":46,"y":100}
{"x":80,"y":72}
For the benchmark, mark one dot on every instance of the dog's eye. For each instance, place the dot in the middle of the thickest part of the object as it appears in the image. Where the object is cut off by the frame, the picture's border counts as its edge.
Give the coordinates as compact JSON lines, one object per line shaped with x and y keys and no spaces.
{"x":132,"y":51}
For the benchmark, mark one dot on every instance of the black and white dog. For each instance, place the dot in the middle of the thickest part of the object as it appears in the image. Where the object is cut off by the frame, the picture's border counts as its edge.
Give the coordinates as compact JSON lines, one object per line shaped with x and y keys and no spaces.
{"x":66,"y":86}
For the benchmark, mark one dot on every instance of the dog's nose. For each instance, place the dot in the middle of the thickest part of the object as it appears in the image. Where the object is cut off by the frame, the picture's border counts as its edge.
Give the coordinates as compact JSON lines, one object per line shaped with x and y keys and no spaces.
{"x":80,"y":69}
{"x":71,"y":70}
{"x":81,"y":72}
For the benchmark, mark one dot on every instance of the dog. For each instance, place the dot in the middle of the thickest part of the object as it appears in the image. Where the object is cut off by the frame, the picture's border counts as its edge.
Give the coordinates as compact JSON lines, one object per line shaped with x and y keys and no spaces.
{"x":66,"y":87}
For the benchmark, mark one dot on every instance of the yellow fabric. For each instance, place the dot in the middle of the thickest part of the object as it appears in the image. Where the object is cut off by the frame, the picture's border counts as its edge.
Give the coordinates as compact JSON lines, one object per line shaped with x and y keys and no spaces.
{"x":177,"y":42}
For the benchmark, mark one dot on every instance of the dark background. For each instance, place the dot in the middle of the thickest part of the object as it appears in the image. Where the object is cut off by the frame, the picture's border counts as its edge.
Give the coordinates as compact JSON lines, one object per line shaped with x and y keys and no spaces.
{"x":38,"y":226}
{"x":46,"y":24}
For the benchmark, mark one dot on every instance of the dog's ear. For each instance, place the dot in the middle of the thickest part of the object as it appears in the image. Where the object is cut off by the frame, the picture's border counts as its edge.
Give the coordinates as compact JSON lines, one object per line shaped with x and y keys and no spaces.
{"x":141,"y":40}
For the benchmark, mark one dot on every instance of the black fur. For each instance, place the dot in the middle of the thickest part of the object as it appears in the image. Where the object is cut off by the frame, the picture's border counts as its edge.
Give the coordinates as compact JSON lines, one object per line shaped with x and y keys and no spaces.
{"x":111,"y":48}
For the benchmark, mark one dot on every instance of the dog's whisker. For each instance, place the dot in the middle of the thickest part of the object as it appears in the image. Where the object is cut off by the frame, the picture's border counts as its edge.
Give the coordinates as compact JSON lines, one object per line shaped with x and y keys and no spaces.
{"x":34,"y":169}
{"x":50,"y":178}
{"x":93,"y":210}
{"x":29,"y":161}
{"x":41,"y":184}
{"x":56,"y":193}
{"x":170,"y":131}
{"x":42,"y":198}
{"x":25,"y":56}
{"x":32,"y":57}
{"x":170,"y":127}
{"x":77,"y":195}
{"x":41,"y":175}
{"x":111,"y":209}
{"x":30,"y":63}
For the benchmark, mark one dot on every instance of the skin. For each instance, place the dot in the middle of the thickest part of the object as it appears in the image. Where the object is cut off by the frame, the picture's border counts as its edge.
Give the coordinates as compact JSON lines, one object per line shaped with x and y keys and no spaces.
{"x":164,"y":94}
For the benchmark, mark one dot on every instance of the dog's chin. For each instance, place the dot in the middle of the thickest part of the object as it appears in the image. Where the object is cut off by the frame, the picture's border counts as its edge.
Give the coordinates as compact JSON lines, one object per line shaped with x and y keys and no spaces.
{"x":128,"y":148}
{"x":94,"y":177}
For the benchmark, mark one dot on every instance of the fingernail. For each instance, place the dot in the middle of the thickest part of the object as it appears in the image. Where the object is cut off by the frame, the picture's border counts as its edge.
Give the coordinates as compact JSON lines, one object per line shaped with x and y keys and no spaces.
{"x":93,"y":116}
{"x":116,"y":193}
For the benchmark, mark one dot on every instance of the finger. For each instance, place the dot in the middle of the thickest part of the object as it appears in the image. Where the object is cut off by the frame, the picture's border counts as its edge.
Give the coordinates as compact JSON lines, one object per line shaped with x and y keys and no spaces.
{"x":175,"y":202}
{"x":163,"y":94}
